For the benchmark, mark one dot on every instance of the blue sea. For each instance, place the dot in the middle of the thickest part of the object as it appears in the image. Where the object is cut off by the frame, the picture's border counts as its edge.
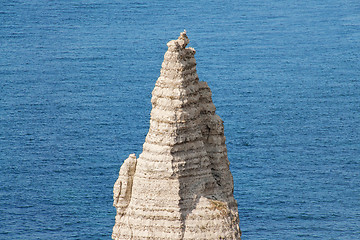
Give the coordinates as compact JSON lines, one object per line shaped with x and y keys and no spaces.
{"x":75,"y":85}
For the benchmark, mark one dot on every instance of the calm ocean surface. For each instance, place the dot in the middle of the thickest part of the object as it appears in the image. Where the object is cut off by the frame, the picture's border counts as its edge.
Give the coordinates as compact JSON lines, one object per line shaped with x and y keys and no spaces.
{"x":75,"y":85}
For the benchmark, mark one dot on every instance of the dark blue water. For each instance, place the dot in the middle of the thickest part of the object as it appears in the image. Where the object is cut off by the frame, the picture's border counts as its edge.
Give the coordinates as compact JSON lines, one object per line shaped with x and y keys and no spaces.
{"x":75,"y":86}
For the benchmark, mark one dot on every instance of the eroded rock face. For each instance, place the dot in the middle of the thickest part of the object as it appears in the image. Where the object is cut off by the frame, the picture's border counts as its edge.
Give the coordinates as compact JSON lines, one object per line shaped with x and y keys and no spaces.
{"x":180,"y":187}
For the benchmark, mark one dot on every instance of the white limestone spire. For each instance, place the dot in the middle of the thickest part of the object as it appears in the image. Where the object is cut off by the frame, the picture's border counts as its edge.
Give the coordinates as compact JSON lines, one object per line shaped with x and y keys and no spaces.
{"x":180,"y":187}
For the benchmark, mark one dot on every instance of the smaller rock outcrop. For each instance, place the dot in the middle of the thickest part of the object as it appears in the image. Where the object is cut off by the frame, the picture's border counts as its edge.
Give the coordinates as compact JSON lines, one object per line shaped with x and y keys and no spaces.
{"x":123,"y":185}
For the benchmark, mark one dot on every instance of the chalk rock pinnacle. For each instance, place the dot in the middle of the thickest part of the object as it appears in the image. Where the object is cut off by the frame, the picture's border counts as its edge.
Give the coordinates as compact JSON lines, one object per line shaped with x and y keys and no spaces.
{"x":180,"y":187}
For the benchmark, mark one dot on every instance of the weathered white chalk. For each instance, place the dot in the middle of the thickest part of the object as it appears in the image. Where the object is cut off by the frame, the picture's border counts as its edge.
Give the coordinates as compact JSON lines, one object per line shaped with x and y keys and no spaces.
{"x":180,"y":187}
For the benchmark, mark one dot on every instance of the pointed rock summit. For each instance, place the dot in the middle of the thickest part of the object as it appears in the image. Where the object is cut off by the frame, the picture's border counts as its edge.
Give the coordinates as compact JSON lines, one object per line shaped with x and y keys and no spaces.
{"x":180,"y":187}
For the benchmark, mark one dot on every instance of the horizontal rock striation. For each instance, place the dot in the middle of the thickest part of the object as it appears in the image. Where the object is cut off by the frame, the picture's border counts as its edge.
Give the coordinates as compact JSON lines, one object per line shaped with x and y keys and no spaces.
{"x":180,"y":187}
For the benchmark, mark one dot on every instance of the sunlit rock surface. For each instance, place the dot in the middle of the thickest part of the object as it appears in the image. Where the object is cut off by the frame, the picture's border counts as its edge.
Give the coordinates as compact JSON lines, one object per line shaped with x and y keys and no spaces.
{"x":180,"y":187}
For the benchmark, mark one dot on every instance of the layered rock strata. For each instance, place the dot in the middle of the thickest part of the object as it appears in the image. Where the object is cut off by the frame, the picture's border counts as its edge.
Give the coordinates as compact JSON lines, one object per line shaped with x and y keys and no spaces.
{"x":180,"y":187}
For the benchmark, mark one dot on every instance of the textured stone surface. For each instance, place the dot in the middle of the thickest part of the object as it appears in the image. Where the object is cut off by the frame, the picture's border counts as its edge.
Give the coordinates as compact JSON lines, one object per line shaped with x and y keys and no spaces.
{"x":180,"y":187}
